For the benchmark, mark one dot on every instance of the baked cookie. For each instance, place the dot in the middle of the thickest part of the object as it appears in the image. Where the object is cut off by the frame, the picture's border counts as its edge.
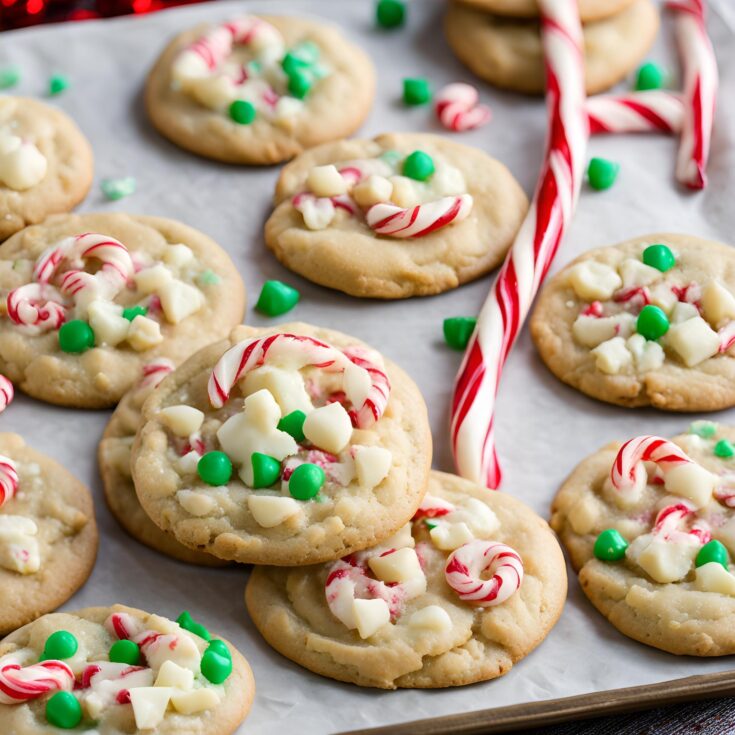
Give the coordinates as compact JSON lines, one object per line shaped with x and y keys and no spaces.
{"x":460,"y":594}
{"x":45,"y":163}
{"x":89,"y":299}
{"x":116,"y":670}
{"x":259,"y":90}
{"x":650,"y":528}
{"x":650,"y":321}
{"x":402,"y":215}
{"x":589,"y":10}
{"x":48,"y":535}
{"x":114,"y":460}
{"x":507,"y":52}
{"x":330,"y":446}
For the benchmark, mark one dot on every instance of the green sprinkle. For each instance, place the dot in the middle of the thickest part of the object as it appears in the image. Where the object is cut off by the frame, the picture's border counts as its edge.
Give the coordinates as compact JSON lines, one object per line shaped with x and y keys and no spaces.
{"x":419,"y":166}
{"x":712,"y":551}
{"x":186,"y":621}
{"x":59,"y":646}
{"x":115,"y":189}
{"x":63,"y":710}
{"x":9,"y":76}
{"x":306,"y":481}
{"x":300,"y":82}
{"x":391,"y":157}
{"x":416,"y":91}
{"x":610,"y":546}
{"x":660,"y":257}
{"x":390,"y":13}
{"x":652,"y":322}
{"x":125,"y":652}
{"x":291,"y":63}
{"x":215,"y":667}
{"x":458,"y":330}
{"x":242,"y":112}
{"x":704,"y":429}
{"x":266,"y":470}
{"x":601,"y":173}
{"x":57,"y":84}
{"x":209,"y":278}
{"x":306,"y":51}
{"x":650,"y":76}
{"x":724,"y":449}
{"x":76,"y":336}
{"x":293,"y":424}
{"x":215,"y":468}
{"x":277,"y":298}
{"x":130,"y":312}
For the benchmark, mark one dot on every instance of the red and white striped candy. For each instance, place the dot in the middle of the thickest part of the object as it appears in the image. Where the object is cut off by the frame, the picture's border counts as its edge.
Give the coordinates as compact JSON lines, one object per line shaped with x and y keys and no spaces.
{"x":651,"y":110}
{"x":457,"y":108}
{"x":155,"y":371}
{"x":529,"y":259}
{"x":466,"y":564}
{"x":123,"y":625}
{"x":7,"y":392}
{"x":393,"y":221}
{"x":37,"y":305}
{"x":628,"y":471}
{"x":672,"y":521}
{"x":20,"y":684}
{"x":433,"y":507}
{"x":8,"y":479}
{"x":727,"y":336}
{"x":299,"y":351}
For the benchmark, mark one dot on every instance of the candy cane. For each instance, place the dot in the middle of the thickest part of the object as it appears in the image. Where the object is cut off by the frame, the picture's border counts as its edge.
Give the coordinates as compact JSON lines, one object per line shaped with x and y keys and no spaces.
{"x":466,"y":564}
{"x":7,"y":393}
{"x":155,"y":371}
{"x":628,"y":471}
{"x":37,"y":305}
{"x":300,"y":351}
{"x":700,"y":91}
{"x":636,"y":112}
{"x":529,"y":259}
{"x":123,"y":626}
{"x":433,"y":507}
{"x":457,"y":108}
{"x":20,"y":684}
{"x":727,"y":336}
{"x":8,"y":479}
{"x":671,"y":522}
{"x":388,"y":219}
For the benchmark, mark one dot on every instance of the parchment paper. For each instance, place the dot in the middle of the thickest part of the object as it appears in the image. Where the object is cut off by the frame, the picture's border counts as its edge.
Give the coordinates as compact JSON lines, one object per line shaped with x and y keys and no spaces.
{"x":544,"y":428}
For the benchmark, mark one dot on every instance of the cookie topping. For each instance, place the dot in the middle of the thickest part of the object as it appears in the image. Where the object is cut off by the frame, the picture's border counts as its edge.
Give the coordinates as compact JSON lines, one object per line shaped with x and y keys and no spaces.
{"x":59,"y":645}
{"x":306,"y":481}
{"x":8,"y":479}
{"x":242,"y":112}
{"x":125,"y":652}
{"x":458,"y":110}
{"x":22,"y":165}
{"x":115,"y":189}
{"x":602,"y":173}
{"x":458,"y":330}
{"x":76,"y":336}
{"x":416,"y":91}
{"x":390,"y":13}
{"x":660,"y":257}
{"x":712,"y":551}
{"x":610,"y":545}
{"x":64,"y":711}
{"x":277,"y":298}
{"x":650,"y":76}
{"x":19,"y":684}
{"x":215,"y":468}
{"x":652,"y":322}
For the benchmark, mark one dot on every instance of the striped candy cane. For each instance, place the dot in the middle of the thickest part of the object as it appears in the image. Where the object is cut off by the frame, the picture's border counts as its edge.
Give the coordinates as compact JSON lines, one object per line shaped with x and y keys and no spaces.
{"x":388,"y":219}
{"x":19,"y":684}
{"x":466,"y":564}
{"x":457,"y":108}
{"x":155,"y":371}
{"x":8,"y":479}
{"x":7,"y":393}
{"x":672,"y":521}
{"x":628,"y":472}
{"x":37,"y":305}
{"x":503,"y":314}
{"x":636,"y":112}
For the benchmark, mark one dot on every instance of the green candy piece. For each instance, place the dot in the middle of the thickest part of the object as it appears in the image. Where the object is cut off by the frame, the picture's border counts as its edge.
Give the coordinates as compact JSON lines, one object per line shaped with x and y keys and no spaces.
{"x":242,"y":112}
{"x":306,"y":51}
{"x":215,"y":468}
{"x":131,"y":312}
{"x":650,"y":76}
{"x":724,"y":449}
{"x":220,"y":647}
{"x":277,"y":298}
{"x":9,"y":76}
{"x":57,"y":84}
{"x":712,"y":551}
{"x":601,"y":173}
{"x":458,"y":330}
{"x":391,"y":157}
{"x":306,"y":481}
{"x":659,"y":257}
{"x":390,"y":13}
{"x":76,"y":336}
{"x":215,"y":667}
{"x":115,"y":189}
{"x":59,"y":645}
{"x":416,"y":91}
{"x":610,"y":546}
{"x":652,"y":322}
{"x":208,"y":278}
{"x":705,"y":429}
{"x":63,"y":710}
{"x":125,"y":652}
{"x":430,"y":524}
{"x":418,"y":166}
{"x":266,"y":470}
{"x":292,"y":62}
{"x":293,"y":424}
{"x":300,"y":82}
{"x":188,"y":623}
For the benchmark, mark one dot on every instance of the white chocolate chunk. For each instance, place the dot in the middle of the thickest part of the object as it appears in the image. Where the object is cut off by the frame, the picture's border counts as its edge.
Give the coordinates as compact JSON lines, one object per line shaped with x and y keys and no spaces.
{"x":662,"y":296}
{"x":187,"y":465}
{"x":197,"y":700}
{"x":450,"y":536}
{"x":370,"y":616}
{"x":286,"y":386}
{"x":356,"y":383}
{"x":683,"y":311}
{"x":149,"y":705}
{"x":177,"y":647}
{"x":401,"y":565}
{"x":400,"y":539}
{"x":195,"y":502}
{"x":22,"y":165}
{"x":718,"y":304}
{"x":214,"y":92}
{"x":613,"y":356}
{"x":373,"y":190}
{"x":178,"y":255}
{"x":329,"y":427}
{"x":693,"y":340}
{"x":317,"y":214}
{"x":152,"y":279}
{"x":478,"y":516}
{"x":270,"y":511}
{"x":585,"y":514}
{"x":19,"y":551}
{"x":183,"y":420}
{"x":179,"y":300}
{"x":691,"y":481}
{"x":590,"y":331}
{"x":592,"y":280}
{"x":647,"y":355}
{"x":666,"y":561}
{"x":286,"y":111}
{"x":144,"y":333}
{"x":372,"y":465}
{"x":110,"y":327}
{"x":405,"y":192}
{"x":636,"y":273}
{"x":431,"y":617}
{"x":173,"y":675}
{"x":326,"y":181}
{"x":713,"y":577}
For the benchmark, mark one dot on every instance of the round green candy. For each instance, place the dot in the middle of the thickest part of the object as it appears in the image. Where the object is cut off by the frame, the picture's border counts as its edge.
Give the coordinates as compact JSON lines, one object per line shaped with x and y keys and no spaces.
{"x":306,"y":481}
{"x":390,"y":13}
{"x":610,"y":546}
{"x":724,"y":449}
{"x":277,"y":298}
{"x":650,"y":76}
{"x":602,"y":173}
{"x":57,"y":84}
{"x":458,"y":330}
{"x":59,"y":645}
{"x":215,"y":468}
{"x":416,"y":91}
{"x":659,"y":257}
{"x":76,"y":336}
{"x":63,"y":710}
{"x":418,"y":166}
{"x":242,"y":112}
{"x":125,"y":652}
{"x":712,"y":551}
{"x":219,"y":647}
{"x":215,"y":667}
{"x":130,"y":312}
{"x":293,"y":424}
{"x":9,"y":76}
{"x":652,"y":322}
{"x":299,"y":82}
{"x":266,"y":470}
{"x":186,"y":621}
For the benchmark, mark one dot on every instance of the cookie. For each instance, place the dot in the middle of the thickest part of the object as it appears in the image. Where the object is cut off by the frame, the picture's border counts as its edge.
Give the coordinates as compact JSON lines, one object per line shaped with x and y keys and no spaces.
{"x":114,"y":460}
{"x":393,"y":617}
{"x":645,"y":322}
{"x":117,"y":670}
{"x":402,"y":215}
{"x":323,"y":448}
{"x":45,"y":163}
{"x":259,"y":90}
{"x":589,"y":10}
{"x":48,"y":535}
{"x":650,"y":529}
{"x":91,"y":298}
{"x":507,"y":52}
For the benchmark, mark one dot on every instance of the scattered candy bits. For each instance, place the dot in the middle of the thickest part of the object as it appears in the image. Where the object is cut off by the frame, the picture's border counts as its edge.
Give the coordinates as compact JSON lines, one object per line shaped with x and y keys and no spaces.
{"x":418,"y":166}
{"x":650,"y":76}
{"x":293,"y":424}
{"x":703,"y":429}
{"x":186,"y":621}
{"x":114,"y":189}
{"x":712,"y":551}
{"x":215,"y":468}
{"x":416,"y":91}
{"x":458,"y":330}
{"x":610,"y":546}
{"x":601,"y":173}
{"x":277,"y":298}
{"x":306,"y":481}
{"x":131,"y":312}
{"x":266,"y":470}
{"x":724,"y":449}
{"x":652,"y":322}
{"x":125,"y":652}
{"x":57,"y":83}
{"x":63,"y":710}
{"x":76,"y":336}
{"x":59,"y":646}
{"x":242,"y":112}
{"x":659,"y":257}
{"x":9,"y":76}
{"x":390,"y":13}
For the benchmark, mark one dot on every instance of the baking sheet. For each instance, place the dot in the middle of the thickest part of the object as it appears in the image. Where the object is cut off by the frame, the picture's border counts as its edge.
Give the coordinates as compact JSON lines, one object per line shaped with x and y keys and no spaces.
{"x":544,"y":428}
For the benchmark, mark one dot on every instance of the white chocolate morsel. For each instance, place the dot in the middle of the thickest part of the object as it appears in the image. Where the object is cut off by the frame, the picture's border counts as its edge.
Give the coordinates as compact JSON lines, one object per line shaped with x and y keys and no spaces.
{"x":636,"y":273}
{"x":663,"y":561}
{"x":173,"y":675}
{"x":691,"y":481}
{"x":405,"y":192}
{"x":713,"y":577}
{"x":473,"y":519}
{"x":693,"y":340}
{"x":270,"y":511}
{"x":647,"y":355}
{"x":19,"y":550}
{"x":109,"y":325}
{"x":286,"y":386}
{"x":144,"y":333}
{"x":286,"y":111}
{"x":22,"y":165}
{"x":195,"y":502}
{"x":401,"y":565}
{"x":370,"y":616}
{"x":149,"y":705}
{"x":153,"y":279}
{"x":451,"y":536}
{"x":683,"y":312}
{"x":187,"y":465}
{"x":432,"y":618}
{"x":400,"y":539}
{"x":326,"y":181}
{"x":179,"y":300}
{"x":592,"y":280}
{"x":718,"y":304}
{"x":317,"y":213}
{"x":590,"y":331}
{"x":195,"y":701}
{"x":329,"y":428}
{"x":179,"y":255}
{"x":372,"y":465}
{"x":661,"y":295}
{"x":612,"y":356}
{"x":373,"y":190}
{"x":183,"y":420}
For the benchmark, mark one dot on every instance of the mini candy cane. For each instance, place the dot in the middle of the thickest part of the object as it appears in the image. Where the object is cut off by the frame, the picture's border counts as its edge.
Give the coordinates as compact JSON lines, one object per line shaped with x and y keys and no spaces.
{"x":388,"y":219}
{"x":727,"y":336}
{"x":19,"y":684}
{"x":123,"y":625}
{"x":457,"y":108}
{"x":155,"y":371}
{"x":8,"y":479}
{"x":671,"y":521}
{"x":7,"y":392}
{"x":628,"y":471}
{"x":433,"y":507}
{"x":36,"y":305}
{"x":636,"y":112}
{"x":466,"y":564}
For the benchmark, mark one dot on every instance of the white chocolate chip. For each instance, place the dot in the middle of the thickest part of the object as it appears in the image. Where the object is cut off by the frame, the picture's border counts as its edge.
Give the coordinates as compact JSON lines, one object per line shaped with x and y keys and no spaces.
{"x":431,"y":617}
{"x":19,"y":551}
{"x":149,"y":705}
{"x":662,"y":296}
{"x":152,"y":279}
{"x":718,"y":304}
{"x":450,"y":536}
{"x":197,"y":700}
{"x":178,"y":255}
{"x":401,"y":565}
{"x":372,"y":465}
{"x":666,"y":561}
{"x":370,"y":616}
{"x":683,"y":312}
{"x":326,"y":181}
{"x":144,"y":333}
{"x":173,"y":675}
{"x":373,"y":190}
{"x":636,"y":273}
{"x":197,"y":503}
{"x":405,"y":192}
{"x":187,"y":465}
{"x":612,"y":356}
{"x":183,"y":420}
{"x":592,"y":280}
{"x":22,"y":165}
{"x":693,"y":340}
{"x":179,"y":300}
{"x":214,"y":92}
{"x":329,"y":428}
{"x":286,"y":386}
{"x":318,"y":213}
{"x":399,"y":539}
{"x":647,"y":355}
{"x":590,"y":331}
{"x":110,"y":327}
{"x":691,"y":481}
{"x":713,"y":577}
{"x":270,"y":511}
